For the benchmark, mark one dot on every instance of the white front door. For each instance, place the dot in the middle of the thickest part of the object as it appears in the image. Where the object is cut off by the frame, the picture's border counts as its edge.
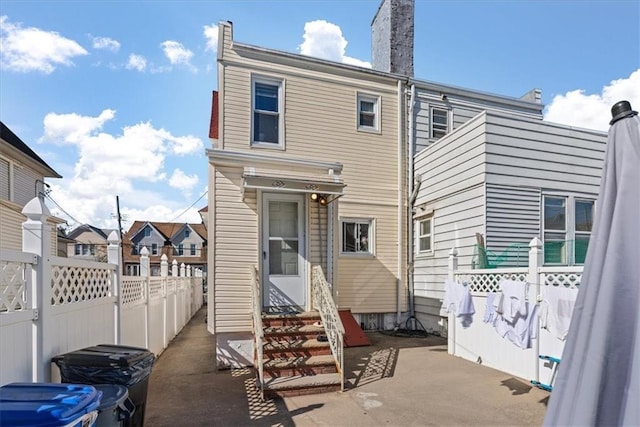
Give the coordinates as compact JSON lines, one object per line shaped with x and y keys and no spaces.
{"x":283,"y":252}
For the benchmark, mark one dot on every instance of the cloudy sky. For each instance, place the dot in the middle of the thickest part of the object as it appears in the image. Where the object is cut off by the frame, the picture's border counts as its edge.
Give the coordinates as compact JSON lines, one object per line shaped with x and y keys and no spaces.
{"x":115,"y":95}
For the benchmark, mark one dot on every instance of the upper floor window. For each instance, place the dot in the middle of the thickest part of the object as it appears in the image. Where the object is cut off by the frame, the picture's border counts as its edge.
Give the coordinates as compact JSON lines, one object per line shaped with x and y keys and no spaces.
{"x":180,"y":249}
{"x":567,"y":224}
{"x":147,"y":231}
{"x":267,"y":112}
{"x":368,"y":112}
{"x":439,"y":123}
{"x":193,"y":249}
{"x":357,"y":236}
{"x":424,"y":235}
{"x":154,"y":249}
{"x":187,"y":233}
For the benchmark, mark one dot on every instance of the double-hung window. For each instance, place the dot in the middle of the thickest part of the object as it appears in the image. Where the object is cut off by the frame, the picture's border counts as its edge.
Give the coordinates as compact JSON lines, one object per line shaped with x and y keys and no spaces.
{"x":154,"y":249}
{"x":193,"y":249}
{"x":424,"y":235}
{"x":368,"y":112}
{"x":356,"y":236}
{"x":267,"y":107}
{"x":439,"y":123}
{"x":567,"y":224}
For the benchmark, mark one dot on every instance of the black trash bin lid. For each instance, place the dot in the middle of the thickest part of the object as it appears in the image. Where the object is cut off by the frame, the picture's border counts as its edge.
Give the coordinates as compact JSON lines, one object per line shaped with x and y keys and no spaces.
{"x":105,"y":355}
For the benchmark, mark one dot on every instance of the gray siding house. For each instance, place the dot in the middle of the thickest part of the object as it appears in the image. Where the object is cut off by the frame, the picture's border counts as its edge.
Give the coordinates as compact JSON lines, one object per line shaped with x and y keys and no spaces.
{"x":490,"y":186}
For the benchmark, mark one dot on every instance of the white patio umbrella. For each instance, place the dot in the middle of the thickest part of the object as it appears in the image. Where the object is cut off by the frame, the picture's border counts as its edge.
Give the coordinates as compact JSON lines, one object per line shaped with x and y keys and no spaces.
{"x":598,"y":381}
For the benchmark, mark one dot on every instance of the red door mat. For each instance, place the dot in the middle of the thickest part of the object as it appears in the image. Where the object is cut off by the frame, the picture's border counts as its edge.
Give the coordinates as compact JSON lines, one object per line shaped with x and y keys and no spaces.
{"x":354,"y":336}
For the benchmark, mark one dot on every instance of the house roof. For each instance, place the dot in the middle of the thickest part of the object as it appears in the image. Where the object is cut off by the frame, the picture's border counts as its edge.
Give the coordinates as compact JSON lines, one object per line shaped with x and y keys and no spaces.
{"x":205,"y":209}
{"x":166,"y":229}
{"x":12,"y":139}
{"x":102,"y":232}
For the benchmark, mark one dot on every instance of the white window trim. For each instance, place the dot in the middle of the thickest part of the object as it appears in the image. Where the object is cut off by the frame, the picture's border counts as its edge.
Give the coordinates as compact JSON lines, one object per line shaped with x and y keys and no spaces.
{"x":372,"y":233}
{"x":271,"y":81}
{"x":360,"y":96}
{"x":570,"y":225}
{"x":448,"y":130}
{"x":417,"y":222}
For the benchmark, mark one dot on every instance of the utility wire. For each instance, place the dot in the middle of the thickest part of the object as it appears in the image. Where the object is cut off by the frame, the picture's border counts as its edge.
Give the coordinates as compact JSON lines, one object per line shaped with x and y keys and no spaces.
{"x":48,"y":196}
{"x":192,"y":204}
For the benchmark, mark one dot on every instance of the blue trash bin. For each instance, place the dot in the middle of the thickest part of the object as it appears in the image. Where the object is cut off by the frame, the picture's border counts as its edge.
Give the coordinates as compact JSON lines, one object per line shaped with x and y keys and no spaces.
{"x":48,"y":405}
{"x":115,"y":406}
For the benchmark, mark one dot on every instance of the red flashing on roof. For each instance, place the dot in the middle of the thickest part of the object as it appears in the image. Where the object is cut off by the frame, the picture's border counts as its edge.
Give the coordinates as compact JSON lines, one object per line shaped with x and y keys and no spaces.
{"x":213,"y":126}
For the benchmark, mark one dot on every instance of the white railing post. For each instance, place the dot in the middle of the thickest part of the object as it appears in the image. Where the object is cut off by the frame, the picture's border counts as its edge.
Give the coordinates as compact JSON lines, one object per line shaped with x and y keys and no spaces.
{"x":114,"y":256}
{"x":188,"y":268}
{"x":164,"y":272}
{"x":182,"y":270}
{"x":145,"y":271}
{"x":164,"y":265}
{"x":451,"y":318}
{"x":536,"y":260}
{"x":174,"y":268}
{"x":36,"y":239}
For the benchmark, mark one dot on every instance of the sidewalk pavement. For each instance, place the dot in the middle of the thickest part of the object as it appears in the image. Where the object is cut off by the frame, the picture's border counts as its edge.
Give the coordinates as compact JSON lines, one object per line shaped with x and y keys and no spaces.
{"x":397,"y":381}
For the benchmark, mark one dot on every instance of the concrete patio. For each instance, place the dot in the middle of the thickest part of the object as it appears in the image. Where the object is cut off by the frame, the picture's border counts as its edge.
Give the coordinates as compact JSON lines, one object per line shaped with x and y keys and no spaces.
{"x":397,"y":381}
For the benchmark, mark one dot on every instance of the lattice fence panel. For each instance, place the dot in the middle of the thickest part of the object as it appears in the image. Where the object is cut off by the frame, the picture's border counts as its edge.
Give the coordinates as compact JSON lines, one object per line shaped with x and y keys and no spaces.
{"x":568,"y":280}
{"x":13,"y":287}
{"x":132,"y":290}
{"x":488,"y":282}
{"x":157,"y":288}
{"x":76,"y":284}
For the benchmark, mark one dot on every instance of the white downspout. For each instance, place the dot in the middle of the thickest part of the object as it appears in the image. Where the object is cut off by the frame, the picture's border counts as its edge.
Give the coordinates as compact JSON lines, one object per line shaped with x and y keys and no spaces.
{"x":400,"y":203}
{"x":411,"y":200}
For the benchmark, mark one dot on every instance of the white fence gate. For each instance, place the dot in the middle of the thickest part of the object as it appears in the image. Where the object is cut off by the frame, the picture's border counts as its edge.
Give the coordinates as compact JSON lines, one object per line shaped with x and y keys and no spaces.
{"x":51,"y":305}
{"x":480,"y":342}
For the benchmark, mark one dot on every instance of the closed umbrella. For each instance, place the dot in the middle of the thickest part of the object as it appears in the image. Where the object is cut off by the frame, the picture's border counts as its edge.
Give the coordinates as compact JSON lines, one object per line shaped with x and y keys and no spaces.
{"x":598,"y":381}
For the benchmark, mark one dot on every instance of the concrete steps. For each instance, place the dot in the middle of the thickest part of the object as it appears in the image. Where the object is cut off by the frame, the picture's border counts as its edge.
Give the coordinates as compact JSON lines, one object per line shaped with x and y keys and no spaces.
{"x":297,"y":356}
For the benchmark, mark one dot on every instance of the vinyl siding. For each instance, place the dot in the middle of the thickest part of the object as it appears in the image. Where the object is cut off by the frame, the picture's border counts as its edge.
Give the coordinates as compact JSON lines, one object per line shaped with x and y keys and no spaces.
{"x":512,"y":220}
{"x":235,"y":243}
{"x":368,"y":284}
{"x":4,"y":179}
{"x":317,"y":237}
{"x":462,"y":109}
{"x":527,"y":153}
{"x":25,"y":185}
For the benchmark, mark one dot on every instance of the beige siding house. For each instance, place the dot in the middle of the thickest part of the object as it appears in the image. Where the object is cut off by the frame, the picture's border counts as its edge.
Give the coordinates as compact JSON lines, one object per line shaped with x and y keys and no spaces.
{"x":308,"y":167}
{"x":22,"y":174}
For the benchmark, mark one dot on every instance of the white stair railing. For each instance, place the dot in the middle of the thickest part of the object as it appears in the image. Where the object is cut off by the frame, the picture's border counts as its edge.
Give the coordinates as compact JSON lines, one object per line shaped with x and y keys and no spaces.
{"x":258,"y":332}
{"x":323,"y":302}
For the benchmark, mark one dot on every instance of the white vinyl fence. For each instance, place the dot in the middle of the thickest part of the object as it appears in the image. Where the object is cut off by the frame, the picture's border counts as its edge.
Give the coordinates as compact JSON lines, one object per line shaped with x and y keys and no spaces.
{"x":480,"y":342}
{"x":51,"y":305}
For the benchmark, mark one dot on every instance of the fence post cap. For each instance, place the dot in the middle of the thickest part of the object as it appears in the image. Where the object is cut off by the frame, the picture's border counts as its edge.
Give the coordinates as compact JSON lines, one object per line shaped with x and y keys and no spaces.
{"x":535,"y":243}
{"x":174,"y":262}
{"x":164,"y":258}
{"x":36,"y":210}
{"x":113,"y":237}
{"x":144,"y":251}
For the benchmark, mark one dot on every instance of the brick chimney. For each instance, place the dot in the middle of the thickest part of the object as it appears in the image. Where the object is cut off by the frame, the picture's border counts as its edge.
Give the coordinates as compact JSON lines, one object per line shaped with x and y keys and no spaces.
{"x":392,"y":37}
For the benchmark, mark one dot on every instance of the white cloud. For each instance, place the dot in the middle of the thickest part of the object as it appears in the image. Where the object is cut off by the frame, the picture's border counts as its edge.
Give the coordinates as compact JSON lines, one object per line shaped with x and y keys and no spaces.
{"x":177,"y":53}
{"x":181,"y":181}
{"x":136,"y":62}
{"x":323,"y":39}
{"x":106,"y":43}
{"x":593,"y":111}
{"x":32,"y":49}
{"x":211,"y":34}
{"x":110,"y":164}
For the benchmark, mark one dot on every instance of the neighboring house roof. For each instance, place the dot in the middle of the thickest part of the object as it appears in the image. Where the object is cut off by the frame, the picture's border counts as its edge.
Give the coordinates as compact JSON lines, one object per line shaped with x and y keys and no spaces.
{"x":12,"y":139}
{"x":166,"y":229}
{"x":205,"y":209}
{"x":213,"y":125}
{"x":102,"y":232}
